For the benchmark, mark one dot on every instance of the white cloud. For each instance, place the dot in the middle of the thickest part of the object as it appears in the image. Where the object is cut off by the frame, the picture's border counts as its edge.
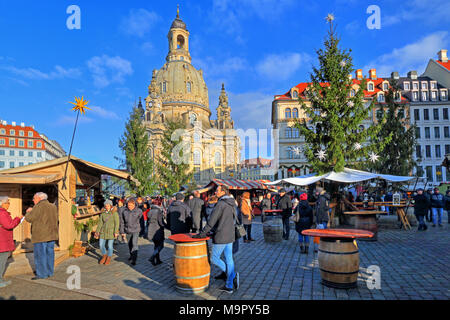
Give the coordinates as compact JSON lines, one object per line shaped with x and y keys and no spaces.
{"x":414,"y":56}
{"x":138,"y":22}
{"x":35,"y":74}
{"x":103,"y":113}
{"x":282,"y":66}
{"x":106,"y":70}
{"x":425,"y":11}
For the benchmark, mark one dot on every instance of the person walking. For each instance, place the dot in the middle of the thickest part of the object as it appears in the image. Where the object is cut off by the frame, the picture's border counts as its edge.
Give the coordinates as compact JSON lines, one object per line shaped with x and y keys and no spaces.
{"x":266,"y":204}
{"x":437,"y":207}
{"x":285,"y":204}
{"x":222,"y":220}
{"x":107,"y":231}
{"x":322,"y":210}
{"x":247,"y":215}
{"x":421,"y":205}
{"x":305,"y":221}
{"x":197,"y":207}
{"x":447,"y":204}
{"x":155,"y":233}
{"x":179,"y":216}
{"x":429,"y":214}
{"x":130,"y":228}
{"x":44,"y":233}
{"x":145,"y":209}
{"x":7,"y":225}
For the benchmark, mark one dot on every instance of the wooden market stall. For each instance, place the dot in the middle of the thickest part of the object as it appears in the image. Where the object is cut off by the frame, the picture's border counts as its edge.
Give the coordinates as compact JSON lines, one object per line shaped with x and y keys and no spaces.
{"x":20,"y":184}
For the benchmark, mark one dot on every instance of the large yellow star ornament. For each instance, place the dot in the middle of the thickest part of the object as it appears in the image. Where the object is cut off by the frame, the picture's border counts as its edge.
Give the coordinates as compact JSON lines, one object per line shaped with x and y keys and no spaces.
{"x":80,"y":105}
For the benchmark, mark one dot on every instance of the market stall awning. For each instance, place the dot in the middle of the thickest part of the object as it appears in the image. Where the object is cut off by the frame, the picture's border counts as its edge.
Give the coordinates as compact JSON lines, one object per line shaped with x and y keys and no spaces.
{"x":236,"y":184}
{"x":30,"y":178}
{"x":346,"y":176}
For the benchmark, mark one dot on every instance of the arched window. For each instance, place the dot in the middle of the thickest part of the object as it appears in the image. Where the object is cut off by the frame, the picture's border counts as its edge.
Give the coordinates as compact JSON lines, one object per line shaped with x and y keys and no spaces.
{"x":188,"y":87}
{"x":295,"y":113}
{"x":180,"y":42}
{"x":288,"y":132}
{"x":370,"y":86}
{"x":289,"y":153}
{"x":217,"y":162}
{"x":197,"y":159}
{"x":164,"y":87}
{"x":295,"y":94}
{"x":148,"y":116}
{"x":381,"y":97}
{"x":287,"y":113}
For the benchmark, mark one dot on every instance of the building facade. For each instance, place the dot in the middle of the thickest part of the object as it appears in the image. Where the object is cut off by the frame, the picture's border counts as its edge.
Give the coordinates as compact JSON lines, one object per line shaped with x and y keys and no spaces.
{"x":22,"y":145}
{"x":286,"y":110}
{"x":257,"y":169}
{"x":178,"y":92}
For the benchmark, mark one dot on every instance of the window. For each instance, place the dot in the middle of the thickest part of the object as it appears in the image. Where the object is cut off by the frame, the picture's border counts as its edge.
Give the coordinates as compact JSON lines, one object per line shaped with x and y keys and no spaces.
{"x":196,"y":137}
{"x":39,"y":144}
{"x":2,"y":142}
{"x":437,"y":133}
{"x":11,"y":164}
{"x":426,"y":114}
{"x":39,"y":154}
{"x":295,"y":133}
{"x":295,"y":113}
{"x":406,"y":86}
{"x":370,"y":86}
{"x":446,"y":132}
{"x":397,"y":96}
{"x":417,"y":133}
{"x":416,"y":114}
{"x":164,"y":86}
{"x":2,"y":152}
{"x":288,"y":132}
{"x":217,"y":162}
{"x":287,"y":113}
{"x":20,"y":164}
{"x":445,"y":113}
{"x":2,"y":131}
{"x":12,"y":132}
{"x":428,"y":151}
{"x":438,"y":174}
{"x":420,"y":171}
{"x":415,"y":86}
{"x":437,"y":149}
{"x":427,"y":133}
{"x":385,"y":86}
{"x":433,"y":85}
{"x":11,"y":153}
{"x":188,"y":87}
{"x":429,"y":170}
{"x":379,"y":114}
{"x":424,"y":96}
{"x":2,"y":164}
{"x":424,"y":86}
{"x":436,"y":114}
{"x":290,"y":153}
{"x":12,"y":142}
{"x":30,"y":153}
{"x":21,"y":153}
{"x":30,"y":143}
{"x":21,"y":133}
{"x":418,"y":152}
{"x":381,"y":97}
{"x":21,"y":143}
{"x":443,"y":95}
{"x":295,"y":94}
{"x":30,"y":134}
{"x":415,"y":96}
{"x":447,"y":148}
{"x":434,"y":95}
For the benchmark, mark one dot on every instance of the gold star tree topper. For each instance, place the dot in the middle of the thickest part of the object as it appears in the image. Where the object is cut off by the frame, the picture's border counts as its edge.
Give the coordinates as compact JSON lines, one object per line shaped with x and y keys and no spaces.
{"x":329,"y":17}
{"x":80,"y":105}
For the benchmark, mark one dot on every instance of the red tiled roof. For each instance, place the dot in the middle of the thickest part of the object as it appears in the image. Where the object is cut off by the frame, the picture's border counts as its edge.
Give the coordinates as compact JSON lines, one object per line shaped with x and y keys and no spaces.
{"x":446,"y":65}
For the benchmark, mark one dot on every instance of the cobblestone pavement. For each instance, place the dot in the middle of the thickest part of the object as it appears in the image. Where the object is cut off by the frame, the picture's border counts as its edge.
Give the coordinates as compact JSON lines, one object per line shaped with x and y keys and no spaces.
{"x":413,"y":265}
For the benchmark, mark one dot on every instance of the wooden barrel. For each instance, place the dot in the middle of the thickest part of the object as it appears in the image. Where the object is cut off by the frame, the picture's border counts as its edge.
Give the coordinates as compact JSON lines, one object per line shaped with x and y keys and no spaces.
{"x":367,"y":222}
{"x":191,"y":267}
{"x":273,"y":230}
{"x":338,"y":263}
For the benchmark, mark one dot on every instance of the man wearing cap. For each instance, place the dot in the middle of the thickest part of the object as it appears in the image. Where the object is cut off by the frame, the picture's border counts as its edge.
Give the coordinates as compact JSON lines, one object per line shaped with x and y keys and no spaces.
{"x":437,"y":207}
{"x":421,"y":205}
{"x":179,"y":216}
{"x":285,"y":204}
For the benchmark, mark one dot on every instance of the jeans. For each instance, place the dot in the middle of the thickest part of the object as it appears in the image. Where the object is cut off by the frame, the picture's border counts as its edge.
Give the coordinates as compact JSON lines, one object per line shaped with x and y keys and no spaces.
{"x":322,"y":225}
{"x":158,"y":246}
{"x":437,"y":212}
{"x":228,"y":265}
{"x":302,"y":238}
{"x":421,"y":220}
{"x":286,"y":227}
{"x":132,"y":239}
{"x":3,"y":259}
{"x":102,"y":243}
{"x":44,"y":259}
{"x":248,"y":228}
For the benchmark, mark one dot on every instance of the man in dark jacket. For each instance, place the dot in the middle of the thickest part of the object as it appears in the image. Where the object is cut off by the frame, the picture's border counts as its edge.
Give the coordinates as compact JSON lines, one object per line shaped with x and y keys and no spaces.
{"x":447,"y":204}
{"x":266,"y":204}
{"x":130,"y":227}
{"x":285,"y":204}
{"x":44,"y":232}
{"x":179,"y":216}
{"x":437,"y":207}
{"x":155,"y":233}
{"x":222,"y":219}
{"x":322,"y":208}
{"x":421,"y":205}
{"x":197,"y":207}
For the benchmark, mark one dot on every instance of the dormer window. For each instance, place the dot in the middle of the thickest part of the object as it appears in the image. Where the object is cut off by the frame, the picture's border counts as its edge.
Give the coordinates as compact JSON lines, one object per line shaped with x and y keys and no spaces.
{"x":370,"y":86}
{"x":444,"y":96}
{"x":415,"y":96}
{"x":424,"y":85}
{"x":406,"y":86}
{"x":385,"y":86}
{"x":433,"y":95}
{"x":433,"y":84}
{"x":415,"y":86}
{"x":295,"y":94}
{"x":424,"y":96}
{"x":381,"y":97}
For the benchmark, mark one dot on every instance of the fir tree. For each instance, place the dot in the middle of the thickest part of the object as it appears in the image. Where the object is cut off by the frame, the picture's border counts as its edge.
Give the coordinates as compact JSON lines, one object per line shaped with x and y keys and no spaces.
{"x":333,"y":137}
{"x":397,"y":158}
{"x":173,"y":162}
{"x":135,"y":145}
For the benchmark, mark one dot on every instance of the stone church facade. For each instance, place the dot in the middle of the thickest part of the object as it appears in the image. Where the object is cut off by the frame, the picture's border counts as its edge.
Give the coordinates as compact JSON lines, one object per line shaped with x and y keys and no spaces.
{"x":178,"y":92}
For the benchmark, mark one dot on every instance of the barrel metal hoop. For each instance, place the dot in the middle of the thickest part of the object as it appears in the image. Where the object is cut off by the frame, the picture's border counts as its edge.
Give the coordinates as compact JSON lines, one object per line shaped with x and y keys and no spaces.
{"x":325,"y":239}
{"x":191,"y":257}
{"x":329,"y":252}
{"x":196,"y":277}
{"x":339,"y":285}
{"x":191,"y":289}
{"x":195,"y":244}
{"x":335,"y":272}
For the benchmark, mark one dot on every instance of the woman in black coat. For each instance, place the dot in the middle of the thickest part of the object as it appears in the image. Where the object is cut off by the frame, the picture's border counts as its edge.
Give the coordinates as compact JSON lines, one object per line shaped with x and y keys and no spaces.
{"x":155,"y":233}
{"x":421,"y":205}
{"x":305,"y":212}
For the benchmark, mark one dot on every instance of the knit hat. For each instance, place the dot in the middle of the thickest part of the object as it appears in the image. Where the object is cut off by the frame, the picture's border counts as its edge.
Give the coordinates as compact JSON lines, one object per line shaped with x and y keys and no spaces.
{"x":304,"y":196}
{"x":282,"y":190}
{"x":108,"y":202}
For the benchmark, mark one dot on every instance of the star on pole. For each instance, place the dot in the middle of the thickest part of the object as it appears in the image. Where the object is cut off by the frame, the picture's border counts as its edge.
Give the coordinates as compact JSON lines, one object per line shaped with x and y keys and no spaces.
{"x":373,"y":157}
{"x":321,"y":155}
{"x":357,"y":146}
{"x":329,"y":17}
{"x":80,"y":105}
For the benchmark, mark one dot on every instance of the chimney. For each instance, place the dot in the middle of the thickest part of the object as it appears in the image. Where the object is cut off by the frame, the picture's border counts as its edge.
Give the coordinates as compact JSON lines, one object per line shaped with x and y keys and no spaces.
{"x":442,"y":55}
{"x":394,"y":75}
{"x":13,"y":124}
{"x":359,"y":74}
{"x":373,"y":74}
{"x":412,"y":75}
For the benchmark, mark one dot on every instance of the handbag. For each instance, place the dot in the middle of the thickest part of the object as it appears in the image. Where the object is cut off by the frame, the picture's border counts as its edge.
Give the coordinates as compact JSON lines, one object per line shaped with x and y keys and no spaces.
{"x":239,"y":230}
{"x":296,"y":217}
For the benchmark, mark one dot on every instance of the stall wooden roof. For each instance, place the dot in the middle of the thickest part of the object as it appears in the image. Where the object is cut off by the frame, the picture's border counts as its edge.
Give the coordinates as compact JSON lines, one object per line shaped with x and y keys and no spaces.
{"x":30,"y":178}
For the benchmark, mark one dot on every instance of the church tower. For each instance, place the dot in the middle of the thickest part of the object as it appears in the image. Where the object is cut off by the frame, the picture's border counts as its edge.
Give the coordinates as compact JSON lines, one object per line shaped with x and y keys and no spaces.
{"x":178,"y":40}
{"x":224,"y":111}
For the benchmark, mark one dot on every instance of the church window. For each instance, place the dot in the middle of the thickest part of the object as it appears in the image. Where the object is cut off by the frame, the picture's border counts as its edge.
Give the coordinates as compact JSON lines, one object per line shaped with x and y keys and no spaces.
{"x":288,"y":132}
{"x":295,"y":113}
{"x":217,"y":162}
{"x":164,"y":86}
{"x":196,"y":137}
{"x":295,"y":94}
{"x":197,"y":163}
{"x":287,"y":113}
{"x":188,"y":87}
{"x":180,"y":42}
{"x":148,"y":116}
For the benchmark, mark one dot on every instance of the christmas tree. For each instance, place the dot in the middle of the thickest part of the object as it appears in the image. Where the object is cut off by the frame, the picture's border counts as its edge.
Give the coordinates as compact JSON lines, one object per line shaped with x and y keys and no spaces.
{"x":135,"y":145}
{"x":397,"y":157}
{"x":334,"y":138}
{"x":173,"y":162}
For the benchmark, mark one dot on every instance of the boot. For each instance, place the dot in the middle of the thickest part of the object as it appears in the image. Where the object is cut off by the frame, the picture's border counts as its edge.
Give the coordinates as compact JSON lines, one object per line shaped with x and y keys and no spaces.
{"x":103,"y":259}
{"x":157,"y":259}
{"x":306,"y":248}
{"x":133,"y":258}
{"x":108,"y":261}
{"x":152,"y":260}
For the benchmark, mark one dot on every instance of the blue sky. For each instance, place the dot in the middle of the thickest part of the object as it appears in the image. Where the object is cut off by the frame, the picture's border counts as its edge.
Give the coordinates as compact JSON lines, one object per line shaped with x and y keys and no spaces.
{"x":258,"y":48}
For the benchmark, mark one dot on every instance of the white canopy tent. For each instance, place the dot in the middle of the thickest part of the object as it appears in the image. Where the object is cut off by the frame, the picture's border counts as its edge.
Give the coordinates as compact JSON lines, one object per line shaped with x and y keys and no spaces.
{"x":346,"y":176}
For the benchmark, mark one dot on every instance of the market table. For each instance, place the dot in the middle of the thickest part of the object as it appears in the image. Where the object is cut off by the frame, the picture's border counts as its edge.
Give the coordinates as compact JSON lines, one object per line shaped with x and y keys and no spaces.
{"x":366,"y":220}
{"x":191,"y":266}
{"x":338,"y":255}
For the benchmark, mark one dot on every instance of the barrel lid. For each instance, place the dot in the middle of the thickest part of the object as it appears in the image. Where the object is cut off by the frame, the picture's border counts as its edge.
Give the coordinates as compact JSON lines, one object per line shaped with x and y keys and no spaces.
{"x":338,"y":233}
{"x":186,"y":237}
